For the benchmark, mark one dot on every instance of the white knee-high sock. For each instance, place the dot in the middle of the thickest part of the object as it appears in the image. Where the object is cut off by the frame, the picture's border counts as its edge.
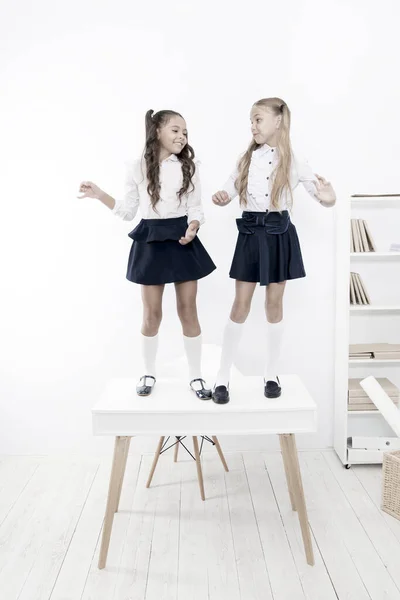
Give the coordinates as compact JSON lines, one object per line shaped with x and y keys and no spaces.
{"x":230,"y":342}
{"x":149,"y":353}
{"x":273,"y":346}
{"x":193,"y":348}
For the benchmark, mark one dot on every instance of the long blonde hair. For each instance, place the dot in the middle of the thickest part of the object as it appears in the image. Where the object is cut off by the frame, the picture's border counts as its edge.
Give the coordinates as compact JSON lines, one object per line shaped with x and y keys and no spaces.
{"x":281,"y":173}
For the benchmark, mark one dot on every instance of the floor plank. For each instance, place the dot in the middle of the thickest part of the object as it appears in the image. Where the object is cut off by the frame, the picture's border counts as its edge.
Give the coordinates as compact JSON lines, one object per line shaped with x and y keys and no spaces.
{"x":242,"y":543}
{"x":101,"y":584}
{"x":223,"y":582}
{"x":369,"y":516}
{"x":315,"y":580}
{"x":36,"y":534}
{"x":192,"y":568}
{"x":253,"y":575}
{"x":15,"y":474}
{"x":370,"y":476}
{"x":360,"y":550}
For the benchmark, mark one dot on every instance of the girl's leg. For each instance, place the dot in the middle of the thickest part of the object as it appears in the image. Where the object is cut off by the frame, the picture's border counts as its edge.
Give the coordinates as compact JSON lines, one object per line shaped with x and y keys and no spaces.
{"x":233,"y":329}
{"x":152,"y":315}
{"x":186,"y":293}
{"x":274,"y":330}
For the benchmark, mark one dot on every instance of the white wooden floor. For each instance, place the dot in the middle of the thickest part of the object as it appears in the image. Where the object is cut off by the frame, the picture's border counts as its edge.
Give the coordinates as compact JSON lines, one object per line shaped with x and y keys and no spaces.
{"x":243,"y":543}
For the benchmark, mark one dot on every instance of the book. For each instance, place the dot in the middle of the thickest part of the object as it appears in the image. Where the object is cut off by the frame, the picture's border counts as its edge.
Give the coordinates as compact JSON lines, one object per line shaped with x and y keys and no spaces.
{"x":356,"y":289}
{"x":369,"y":236}
{"x":365,"y":244}
{"x":374,"y":347}
{"x":382,"y":351}
{"x":356,"y":391}
{"x":356,"y":407}
{"x":365,"y":401}
{"x":363,"y":289}
{"x":360,"y":288}
{"x":358,"y":224}
{"x":352,"y":292}
{"x":355,"y":235}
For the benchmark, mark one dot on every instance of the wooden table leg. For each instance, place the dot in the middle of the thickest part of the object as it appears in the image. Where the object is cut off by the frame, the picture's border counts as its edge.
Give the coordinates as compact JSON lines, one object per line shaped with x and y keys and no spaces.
{"x":176,"y":450}
{"x":125,"y":459}
{"x":155,"y":461}
{"x":198,"y":465}
{"x":285,"y":459}
{"x":115,"y":478}
{"x":219,"y":450}
{"x":289,"y":442}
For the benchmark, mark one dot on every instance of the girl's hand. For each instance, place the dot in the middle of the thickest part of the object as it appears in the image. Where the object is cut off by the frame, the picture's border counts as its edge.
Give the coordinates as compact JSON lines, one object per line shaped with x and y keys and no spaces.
{"x":190,"y":234}
{"x":325,"y":192}
{"x":89,"y":190}
{"x":221,"y":198}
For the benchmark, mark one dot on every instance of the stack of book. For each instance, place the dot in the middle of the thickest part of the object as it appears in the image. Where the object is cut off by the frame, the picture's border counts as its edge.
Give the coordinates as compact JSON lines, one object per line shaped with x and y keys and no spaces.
{"x":358,"y":399}
{"x":358,"y":292}
{"x":360,"y":238}
{"x":374,"y":351}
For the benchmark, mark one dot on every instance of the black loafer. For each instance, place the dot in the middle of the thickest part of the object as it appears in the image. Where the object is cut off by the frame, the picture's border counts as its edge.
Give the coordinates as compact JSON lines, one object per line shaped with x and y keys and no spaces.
{"x":220,"y":394}
{"x":203,"y":393}
{"x":144,"y":389}
{"x":272,"y":389}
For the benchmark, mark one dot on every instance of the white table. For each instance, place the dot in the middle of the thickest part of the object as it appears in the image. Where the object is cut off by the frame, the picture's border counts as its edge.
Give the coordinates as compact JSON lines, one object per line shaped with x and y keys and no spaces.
{"x":172,"y":409}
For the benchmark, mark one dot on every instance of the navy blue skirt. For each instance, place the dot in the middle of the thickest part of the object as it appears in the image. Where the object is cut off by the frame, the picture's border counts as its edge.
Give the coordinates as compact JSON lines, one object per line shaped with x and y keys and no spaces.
{"x":267,"y":249}
{"x":157,"y":257}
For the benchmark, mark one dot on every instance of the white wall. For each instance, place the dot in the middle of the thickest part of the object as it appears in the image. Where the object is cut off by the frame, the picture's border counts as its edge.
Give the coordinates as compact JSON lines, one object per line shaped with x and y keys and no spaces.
{"x":76,"y":80}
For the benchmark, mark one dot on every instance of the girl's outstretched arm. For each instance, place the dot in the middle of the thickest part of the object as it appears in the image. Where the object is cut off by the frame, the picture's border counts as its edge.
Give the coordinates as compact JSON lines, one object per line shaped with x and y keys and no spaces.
{"x":126,"y":208}
{"x":319,"y":188}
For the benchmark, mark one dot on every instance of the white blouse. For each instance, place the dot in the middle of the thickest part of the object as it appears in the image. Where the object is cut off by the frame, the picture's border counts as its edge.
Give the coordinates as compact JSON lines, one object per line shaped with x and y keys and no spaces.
{"x":263,"y":161}
{"x":168,"y":207}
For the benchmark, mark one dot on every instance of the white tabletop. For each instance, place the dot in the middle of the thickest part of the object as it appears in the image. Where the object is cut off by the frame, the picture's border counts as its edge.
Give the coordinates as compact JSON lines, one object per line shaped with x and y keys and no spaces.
{"x":173,"y":409}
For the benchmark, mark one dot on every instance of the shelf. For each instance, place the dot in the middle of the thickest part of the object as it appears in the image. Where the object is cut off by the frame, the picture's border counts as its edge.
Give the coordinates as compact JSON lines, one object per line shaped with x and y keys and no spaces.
{"x":373,"y":361}
{"x":374,"y":255}
{"x":360,"y":308}
{"x":376,"y":199}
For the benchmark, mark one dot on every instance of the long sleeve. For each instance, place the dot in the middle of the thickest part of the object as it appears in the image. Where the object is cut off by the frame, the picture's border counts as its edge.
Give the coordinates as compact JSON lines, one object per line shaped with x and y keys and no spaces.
{"x":127,"y":208}
{"x":306,"y":177}
{"x":194,"y":205}
{"x":229,"y":185}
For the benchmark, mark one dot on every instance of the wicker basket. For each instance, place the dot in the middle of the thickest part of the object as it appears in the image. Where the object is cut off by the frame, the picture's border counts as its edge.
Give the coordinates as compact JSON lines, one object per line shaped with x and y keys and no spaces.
{"x":391,"y":483}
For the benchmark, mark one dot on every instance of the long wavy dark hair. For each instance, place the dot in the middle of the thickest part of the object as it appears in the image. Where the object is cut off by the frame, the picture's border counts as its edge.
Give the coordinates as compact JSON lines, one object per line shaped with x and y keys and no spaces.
{"x":151,"y":155}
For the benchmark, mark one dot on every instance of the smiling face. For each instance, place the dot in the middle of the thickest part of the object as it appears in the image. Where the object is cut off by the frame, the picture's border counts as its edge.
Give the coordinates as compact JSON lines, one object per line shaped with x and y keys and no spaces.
{"x":173,"y":136}
{"x":264,"y":125}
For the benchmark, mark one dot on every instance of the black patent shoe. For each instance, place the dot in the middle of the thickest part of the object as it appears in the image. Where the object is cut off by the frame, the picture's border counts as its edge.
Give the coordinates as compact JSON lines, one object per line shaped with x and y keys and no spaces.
{"x":203,"y":393}
{"x":272,"y":389}
{"x":220,"y":394}
{"x":144,"y":389}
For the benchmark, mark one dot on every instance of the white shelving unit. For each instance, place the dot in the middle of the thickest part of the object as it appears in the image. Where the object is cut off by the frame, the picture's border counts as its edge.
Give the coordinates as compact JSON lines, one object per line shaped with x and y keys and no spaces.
{"x":377,"y":322}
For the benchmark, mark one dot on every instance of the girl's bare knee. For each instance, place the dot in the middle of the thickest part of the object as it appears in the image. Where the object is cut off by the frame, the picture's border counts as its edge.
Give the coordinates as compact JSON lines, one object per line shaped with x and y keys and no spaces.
{"x":151,"y":322}
{"x":240,"y":312}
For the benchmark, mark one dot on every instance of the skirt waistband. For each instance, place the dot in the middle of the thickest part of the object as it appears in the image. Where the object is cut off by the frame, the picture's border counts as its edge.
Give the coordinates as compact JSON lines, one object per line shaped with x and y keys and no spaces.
{"x":270,"y":221}
{"x":159,"y":230}
{"x":165,"y":222}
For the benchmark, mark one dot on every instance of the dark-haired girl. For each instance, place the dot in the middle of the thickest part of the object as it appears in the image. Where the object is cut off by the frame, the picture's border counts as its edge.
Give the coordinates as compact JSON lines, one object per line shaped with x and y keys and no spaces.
{"x":165,"y":184}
